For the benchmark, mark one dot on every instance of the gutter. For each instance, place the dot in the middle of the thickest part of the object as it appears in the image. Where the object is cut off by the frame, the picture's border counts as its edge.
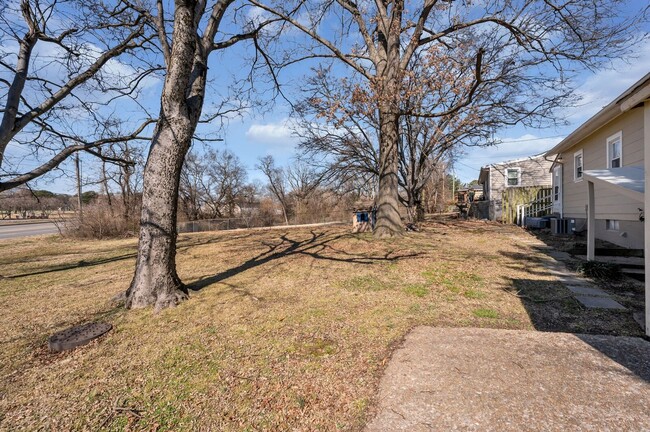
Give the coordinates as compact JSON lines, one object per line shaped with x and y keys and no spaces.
{"x":630,"y":98}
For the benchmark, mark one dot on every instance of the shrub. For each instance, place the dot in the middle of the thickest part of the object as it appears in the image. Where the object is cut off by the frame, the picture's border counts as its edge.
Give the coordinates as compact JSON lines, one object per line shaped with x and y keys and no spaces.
{"x":600,"y":270}
{"x":100,"y":221}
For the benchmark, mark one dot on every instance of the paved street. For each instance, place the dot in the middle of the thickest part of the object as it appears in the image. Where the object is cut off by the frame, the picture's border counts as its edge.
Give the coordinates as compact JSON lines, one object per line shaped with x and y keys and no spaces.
{"x":14,"y":231}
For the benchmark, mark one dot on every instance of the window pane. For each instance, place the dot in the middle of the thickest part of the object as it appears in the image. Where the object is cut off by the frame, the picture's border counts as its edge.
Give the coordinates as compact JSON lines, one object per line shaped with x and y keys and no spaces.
{"x":616,"y":149}
{"x":578,"y":165}
{"x":513,"y":177}
{"x":616,"y":163}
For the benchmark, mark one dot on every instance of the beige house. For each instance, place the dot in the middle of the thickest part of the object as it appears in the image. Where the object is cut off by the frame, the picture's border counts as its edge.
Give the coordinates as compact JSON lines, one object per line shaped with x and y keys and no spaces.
{"x":609,"y":144}
{"x":508,"y":184}
{"x":599,"y":175}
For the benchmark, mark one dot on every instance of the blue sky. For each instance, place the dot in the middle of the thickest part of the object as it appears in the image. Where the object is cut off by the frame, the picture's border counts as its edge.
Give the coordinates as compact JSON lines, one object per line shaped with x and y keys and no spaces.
{"x":271,"y":134}
{"x":255,"y":134}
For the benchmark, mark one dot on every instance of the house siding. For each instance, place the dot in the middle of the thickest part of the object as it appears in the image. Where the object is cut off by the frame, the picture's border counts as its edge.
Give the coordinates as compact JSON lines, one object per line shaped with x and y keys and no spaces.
{"x":534,"y":172}
{"x":609,"y":203}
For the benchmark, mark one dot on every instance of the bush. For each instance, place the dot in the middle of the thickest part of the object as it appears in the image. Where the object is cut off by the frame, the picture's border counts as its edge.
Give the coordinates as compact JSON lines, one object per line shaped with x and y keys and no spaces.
{"x":102,"y":221}
{"x":600,"y":270}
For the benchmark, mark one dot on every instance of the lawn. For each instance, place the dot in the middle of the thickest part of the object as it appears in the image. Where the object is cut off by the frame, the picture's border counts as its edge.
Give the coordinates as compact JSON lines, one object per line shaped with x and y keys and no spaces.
{"x":284,"y":330}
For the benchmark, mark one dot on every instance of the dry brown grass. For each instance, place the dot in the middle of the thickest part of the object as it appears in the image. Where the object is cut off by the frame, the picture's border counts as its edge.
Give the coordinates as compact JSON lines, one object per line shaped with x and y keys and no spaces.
{"x":289,"y":331}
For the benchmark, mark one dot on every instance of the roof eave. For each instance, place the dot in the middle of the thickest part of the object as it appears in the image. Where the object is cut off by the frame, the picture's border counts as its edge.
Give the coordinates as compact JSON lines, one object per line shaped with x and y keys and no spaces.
{"x":630,"y":98}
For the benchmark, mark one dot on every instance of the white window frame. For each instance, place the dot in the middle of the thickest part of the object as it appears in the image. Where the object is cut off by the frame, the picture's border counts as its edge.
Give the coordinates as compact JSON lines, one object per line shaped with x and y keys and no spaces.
{"x":612,"y":225}
{"x":518,"y":169}
{"x":575,"y":168}
{"x":617,"y":136}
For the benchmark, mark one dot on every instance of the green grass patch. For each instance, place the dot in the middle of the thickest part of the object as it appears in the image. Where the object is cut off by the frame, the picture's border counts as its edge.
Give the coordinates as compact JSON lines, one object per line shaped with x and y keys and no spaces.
{"x":473,"y":294}
{"x":417,"y":290}
{"x":364,"y":283}
{"x":485,"y":313}
{"x":453,"y":281}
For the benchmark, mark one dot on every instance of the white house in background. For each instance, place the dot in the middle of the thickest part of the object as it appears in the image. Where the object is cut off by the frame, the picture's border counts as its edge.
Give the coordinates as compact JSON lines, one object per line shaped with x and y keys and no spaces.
{"x":599,"y":176}
{"x":524,"y":173}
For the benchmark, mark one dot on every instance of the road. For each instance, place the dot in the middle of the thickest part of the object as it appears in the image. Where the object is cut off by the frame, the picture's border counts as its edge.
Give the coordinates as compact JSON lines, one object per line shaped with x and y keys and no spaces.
{"x":14,"y":231}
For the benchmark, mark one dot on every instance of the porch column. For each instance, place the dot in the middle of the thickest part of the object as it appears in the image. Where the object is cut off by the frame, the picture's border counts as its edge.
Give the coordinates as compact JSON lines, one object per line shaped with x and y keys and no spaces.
{"x":646,"y":244}
{"x":591,"y":224}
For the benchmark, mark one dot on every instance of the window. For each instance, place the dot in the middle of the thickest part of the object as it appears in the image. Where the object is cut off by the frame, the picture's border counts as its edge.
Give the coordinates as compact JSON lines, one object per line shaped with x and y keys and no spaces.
{"x":577,"y":165}
{"x":513,"y":176}
{"x":615,"y":151}
{"x":611,"y":225}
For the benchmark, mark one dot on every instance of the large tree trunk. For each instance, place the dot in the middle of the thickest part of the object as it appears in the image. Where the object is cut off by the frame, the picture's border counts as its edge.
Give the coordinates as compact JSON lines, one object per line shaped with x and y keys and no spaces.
{"x":155,"y":281}
{"x":389,"y":222}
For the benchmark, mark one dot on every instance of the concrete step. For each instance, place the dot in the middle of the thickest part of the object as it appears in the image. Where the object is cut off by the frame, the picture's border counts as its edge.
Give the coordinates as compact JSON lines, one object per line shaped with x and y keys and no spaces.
{"x":626,"y":262}
{"x":608,"y":252}
{"x":638,"y":274}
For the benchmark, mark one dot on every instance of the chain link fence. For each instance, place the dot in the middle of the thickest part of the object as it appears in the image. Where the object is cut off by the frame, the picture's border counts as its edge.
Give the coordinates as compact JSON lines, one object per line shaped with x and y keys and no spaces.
{"x":224,"y":224}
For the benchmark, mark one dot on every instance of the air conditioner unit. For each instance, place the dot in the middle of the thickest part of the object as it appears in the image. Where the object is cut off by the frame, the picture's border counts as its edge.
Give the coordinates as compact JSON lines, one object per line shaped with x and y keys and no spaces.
{"x":536,"y":222}
{"x":563,"y":226}
{"x":559,"y":226}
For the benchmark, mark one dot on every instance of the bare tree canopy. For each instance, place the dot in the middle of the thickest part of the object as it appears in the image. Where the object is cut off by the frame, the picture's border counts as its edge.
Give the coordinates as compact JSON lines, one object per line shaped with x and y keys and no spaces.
{"x":213,"y":185}
{"x":522,"y":52}
{"x":65,"y":67}
{"x":277,"y":183}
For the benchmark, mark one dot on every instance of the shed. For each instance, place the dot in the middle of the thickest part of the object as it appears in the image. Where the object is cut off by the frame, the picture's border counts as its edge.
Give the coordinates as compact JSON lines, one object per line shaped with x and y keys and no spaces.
{"x":363,"y":220}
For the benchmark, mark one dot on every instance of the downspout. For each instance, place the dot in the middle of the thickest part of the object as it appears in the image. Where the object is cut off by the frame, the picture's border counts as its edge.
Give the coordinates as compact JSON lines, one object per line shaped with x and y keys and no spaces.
{"x":557,"y":160}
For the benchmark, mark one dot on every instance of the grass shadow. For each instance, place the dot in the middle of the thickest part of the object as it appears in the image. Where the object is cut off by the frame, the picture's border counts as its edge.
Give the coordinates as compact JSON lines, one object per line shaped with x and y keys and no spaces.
{"x":318,"y":246}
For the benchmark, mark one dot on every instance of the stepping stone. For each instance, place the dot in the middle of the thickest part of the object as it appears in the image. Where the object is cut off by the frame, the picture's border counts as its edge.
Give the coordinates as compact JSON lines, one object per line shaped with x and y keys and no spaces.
{"x":639,"y":317}
{"x":558,"y":255}
{"x":599,"y":302}
{"x":588,"y":291}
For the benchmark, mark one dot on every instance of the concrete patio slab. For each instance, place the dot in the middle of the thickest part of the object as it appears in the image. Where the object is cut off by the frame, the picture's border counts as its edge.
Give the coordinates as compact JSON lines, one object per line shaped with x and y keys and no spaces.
{"x":507,"y":380}
{"x":599,"y":302}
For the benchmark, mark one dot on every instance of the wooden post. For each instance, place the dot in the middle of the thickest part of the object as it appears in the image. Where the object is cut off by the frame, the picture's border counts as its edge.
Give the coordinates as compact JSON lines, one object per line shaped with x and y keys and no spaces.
{"x":78,"y":166}
{"x":591,"y":224}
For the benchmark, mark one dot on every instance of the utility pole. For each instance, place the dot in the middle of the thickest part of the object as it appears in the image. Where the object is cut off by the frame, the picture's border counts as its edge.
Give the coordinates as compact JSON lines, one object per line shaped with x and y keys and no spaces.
{"x":78,"y":166}
{"x":444,"y":180}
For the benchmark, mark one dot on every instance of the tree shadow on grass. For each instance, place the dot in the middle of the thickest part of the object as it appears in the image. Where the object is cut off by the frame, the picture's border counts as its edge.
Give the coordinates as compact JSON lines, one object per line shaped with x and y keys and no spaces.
{"x":78,"y":264}
{"x":184,"y":244}
{"x":318,"y":246}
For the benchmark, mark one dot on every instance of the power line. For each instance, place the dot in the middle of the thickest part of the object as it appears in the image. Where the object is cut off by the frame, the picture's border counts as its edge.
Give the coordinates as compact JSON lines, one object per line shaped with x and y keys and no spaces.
{"x":531,"y":139}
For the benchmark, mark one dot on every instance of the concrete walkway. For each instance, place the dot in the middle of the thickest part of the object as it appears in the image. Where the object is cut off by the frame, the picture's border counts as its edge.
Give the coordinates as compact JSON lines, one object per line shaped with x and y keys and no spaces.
{"x":506,"y":380}
{"x":584,"y":291}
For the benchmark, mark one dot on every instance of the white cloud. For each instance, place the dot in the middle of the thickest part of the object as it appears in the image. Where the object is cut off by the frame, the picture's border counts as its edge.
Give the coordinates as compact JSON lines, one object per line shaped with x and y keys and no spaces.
{"x":273,"y":137}
{"x":271,"y":133}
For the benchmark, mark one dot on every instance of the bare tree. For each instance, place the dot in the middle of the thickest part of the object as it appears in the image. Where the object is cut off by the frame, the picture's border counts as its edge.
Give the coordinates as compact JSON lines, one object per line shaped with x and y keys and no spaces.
{"x":277,"y":183}
{"x":526,"y":49}
{"x":59,"y":89}
{"x":194,"y":31}
{"x":347,"y":142}
{"x":212,"y":185}
{"x":121,"y":176}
